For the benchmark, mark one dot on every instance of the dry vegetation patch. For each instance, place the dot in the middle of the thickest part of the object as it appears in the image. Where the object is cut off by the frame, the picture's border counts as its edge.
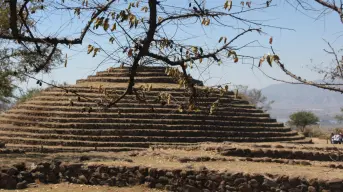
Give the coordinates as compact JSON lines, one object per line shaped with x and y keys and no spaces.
{"x":66,"y":187}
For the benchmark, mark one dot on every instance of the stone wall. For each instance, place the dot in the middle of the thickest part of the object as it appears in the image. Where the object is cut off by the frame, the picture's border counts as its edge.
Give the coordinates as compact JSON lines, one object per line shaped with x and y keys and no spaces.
{"x":19,"y":176}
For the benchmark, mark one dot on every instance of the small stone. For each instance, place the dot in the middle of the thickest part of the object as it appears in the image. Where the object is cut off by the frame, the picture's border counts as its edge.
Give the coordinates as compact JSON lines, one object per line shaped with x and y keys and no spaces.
{"x":20,"y":166}
{"x":189,"y":188}
{"x":294,"y":181}
{"x":159,"y":186}
{"x":52,"y":178}
{"x":149,"y":184}
{"x":239,"y":181}
{"x":269,"y":183}
{"x":109,"y":182}
{"x":163,"y":180}
{"x":312,"y":189}
{"x":104,"y":176}
{"x":254,"y":183}
{"x":201,"y":177}
{"x":85,"y":158}
{"x":169,"y":187}
{"x":22,"y":185}
{"x":32,"y":185}
{"x":83,"y":179}
{"x":303,"y":187}
{"x":306,"y":163}
{"x":169,"y":174}
{"x":93,"y":181}
{"x":12,"y":171}
{"x":335,"y":184}
{"x":11,"y":183}
{"x":294,"y":190}
{"x":245,"y":188}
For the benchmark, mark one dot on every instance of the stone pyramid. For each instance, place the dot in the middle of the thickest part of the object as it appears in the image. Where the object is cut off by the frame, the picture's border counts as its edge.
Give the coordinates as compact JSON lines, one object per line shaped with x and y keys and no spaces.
{"x":49,"y":121}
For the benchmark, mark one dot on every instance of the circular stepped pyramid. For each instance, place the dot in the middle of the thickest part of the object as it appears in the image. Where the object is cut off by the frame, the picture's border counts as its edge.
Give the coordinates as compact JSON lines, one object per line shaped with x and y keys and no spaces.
{"x":48,"y":121}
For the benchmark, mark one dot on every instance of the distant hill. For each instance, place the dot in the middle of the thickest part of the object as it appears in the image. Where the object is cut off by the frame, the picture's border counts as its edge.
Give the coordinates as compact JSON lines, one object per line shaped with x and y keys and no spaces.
{"x":289,"y":98}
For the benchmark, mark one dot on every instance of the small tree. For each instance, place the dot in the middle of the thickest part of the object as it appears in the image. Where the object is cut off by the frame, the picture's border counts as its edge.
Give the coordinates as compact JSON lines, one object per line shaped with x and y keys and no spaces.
{"x":255,"y":97}
{"x":302,"y":119}
{"x":28,"y":95}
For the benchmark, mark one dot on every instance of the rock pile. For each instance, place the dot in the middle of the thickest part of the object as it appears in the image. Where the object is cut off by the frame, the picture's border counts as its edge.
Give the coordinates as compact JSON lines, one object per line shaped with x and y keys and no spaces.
{"x":286,"y":154}
{"x":19,"y":176}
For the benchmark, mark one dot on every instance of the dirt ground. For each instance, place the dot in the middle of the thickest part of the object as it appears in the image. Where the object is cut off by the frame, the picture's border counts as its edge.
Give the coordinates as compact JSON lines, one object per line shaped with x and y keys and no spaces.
{"x":169,"y":158}
{"x":65,"y":187}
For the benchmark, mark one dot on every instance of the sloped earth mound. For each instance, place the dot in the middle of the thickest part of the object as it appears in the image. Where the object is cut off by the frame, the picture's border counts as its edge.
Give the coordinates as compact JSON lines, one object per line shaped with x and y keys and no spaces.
{"x":58,"y":120}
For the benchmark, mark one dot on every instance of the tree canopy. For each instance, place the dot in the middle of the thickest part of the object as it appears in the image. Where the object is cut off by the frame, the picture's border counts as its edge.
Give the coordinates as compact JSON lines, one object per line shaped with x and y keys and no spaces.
{"x":132,"y":33}
{"x":302,"y":119}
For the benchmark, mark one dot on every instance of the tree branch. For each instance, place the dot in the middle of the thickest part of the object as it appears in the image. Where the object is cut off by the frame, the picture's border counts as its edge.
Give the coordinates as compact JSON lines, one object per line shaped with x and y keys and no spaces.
{"x":143,"y":51}
{"x":304,"y":81}
{"x":332,"y":7}
{"x":13,"y":17}
{"x":48,"y":40}
{"x":43,"y":65}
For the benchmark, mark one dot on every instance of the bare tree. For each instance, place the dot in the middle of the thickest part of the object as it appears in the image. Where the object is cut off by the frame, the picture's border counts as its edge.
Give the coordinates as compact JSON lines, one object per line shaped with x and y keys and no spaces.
{"x":134,"y":33}
{"x":255,"y":97}
{"x":334,"y":70}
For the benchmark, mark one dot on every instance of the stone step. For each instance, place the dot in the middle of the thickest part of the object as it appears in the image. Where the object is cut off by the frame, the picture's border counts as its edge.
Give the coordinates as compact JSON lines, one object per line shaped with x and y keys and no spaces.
{"x":147,"y":95}
{"x":221,"y":108}
{"x":224,"y":103}
{"x":171,"y":116}
{"x":107,"y":135}
{"x":127,"y":74}
{"x":125,"y":80}
{"x":154,"y":91}
{"x":283,"y":154}
{"x":199,"y":101}
{"x":120,"y":126}
{"x":242,"y":121}
{"x":134,"y":141}
{"x":140,"y":69}
{"x":158,"y":110}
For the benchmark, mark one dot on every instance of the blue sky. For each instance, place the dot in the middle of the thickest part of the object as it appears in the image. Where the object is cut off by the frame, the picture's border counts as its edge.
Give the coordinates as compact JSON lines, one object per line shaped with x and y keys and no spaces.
{"x":299,"y":50}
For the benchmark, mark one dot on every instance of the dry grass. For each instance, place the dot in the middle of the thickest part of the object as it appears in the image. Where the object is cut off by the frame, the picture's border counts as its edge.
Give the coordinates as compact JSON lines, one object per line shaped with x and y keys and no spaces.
{"x":318,"y":143}
{"x":65,"y":187}
{"x":115,"y":85}
{"x":168,"y":158}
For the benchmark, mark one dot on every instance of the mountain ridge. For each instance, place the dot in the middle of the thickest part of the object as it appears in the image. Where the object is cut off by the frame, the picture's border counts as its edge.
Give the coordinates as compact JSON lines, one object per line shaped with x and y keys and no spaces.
{"x":290,"y":98}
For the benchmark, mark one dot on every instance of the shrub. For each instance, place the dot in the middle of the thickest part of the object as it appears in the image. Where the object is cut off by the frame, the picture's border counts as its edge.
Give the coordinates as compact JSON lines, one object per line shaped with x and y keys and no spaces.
{"x":302,"y":119}
{"x":314,"y":131}
{"x":28,"y":95}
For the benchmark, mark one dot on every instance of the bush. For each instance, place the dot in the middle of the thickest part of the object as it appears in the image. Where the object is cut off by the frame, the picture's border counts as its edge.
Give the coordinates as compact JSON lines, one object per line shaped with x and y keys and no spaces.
{"x":315,"y":132}
{"x":28,"y":95}
{"x":302,"y":119}
{"x":337,"y":130}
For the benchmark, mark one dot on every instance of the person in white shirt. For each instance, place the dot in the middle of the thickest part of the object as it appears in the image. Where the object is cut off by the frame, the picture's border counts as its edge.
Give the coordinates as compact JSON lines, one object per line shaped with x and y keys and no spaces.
{"x":336,"y":139}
